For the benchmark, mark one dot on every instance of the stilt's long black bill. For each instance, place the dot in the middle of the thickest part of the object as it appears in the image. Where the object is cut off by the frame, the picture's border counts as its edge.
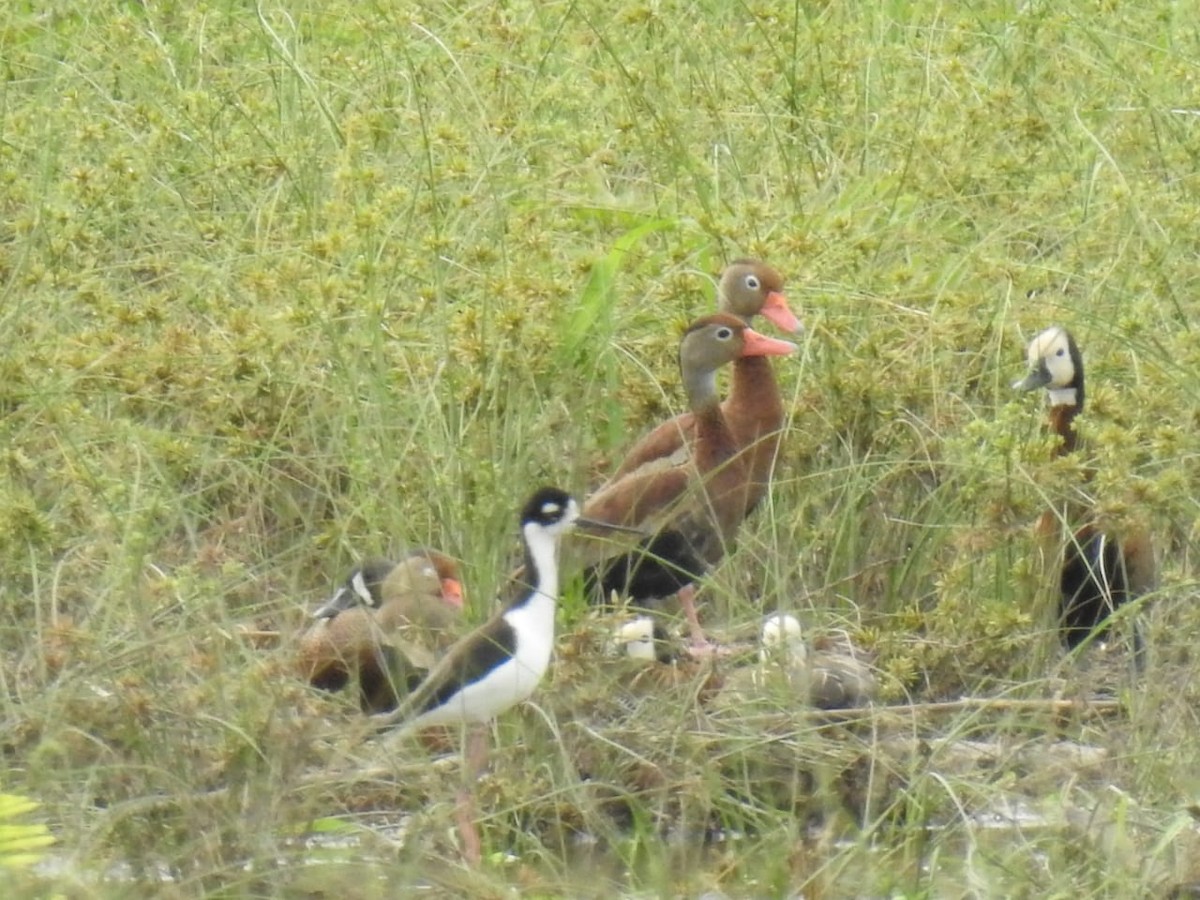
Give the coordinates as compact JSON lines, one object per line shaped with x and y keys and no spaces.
{"x":607,"y":526}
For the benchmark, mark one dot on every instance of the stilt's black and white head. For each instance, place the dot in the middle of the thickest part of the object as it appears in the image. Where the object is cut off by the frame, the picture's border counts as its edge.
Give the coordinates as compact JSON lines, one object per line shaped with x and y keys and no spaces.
{"x":1055,"y":364}
{"x":549,"y":513}
{"x":545,"y":518}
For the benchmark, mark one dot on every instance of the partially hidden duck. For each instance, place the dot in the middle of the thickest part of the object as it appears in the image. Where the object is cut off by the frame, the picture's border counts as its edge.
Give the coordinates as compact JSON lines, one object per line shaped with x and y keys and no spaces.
{"x":384,"y":627}
{"x":1100,"y":572}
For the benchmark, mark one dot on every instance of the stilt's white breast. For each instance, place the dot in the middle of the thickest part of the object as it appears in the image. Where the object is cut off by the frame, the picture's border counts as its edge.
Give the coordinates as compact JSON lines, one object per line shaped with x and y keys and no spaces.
{"x":510,"y":682}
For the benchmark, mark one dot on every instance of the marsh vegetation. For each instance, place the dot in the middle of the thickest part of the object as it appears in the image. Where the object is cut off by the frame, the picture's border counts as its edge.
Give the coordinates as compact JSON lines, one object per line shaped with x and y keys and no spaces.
{"x":286,"y":286}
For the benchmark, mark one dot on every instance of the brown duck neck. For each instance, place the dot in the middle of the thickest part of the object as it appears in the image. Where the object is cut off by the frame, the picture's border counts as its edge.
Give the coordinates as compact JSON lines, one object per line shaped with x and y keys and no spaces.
{"x":714,"y":439}
{"x":722,"y":470}
{"x":1062,"y":423}
{"x":1065,"y":404}
{"x":754,"y":404}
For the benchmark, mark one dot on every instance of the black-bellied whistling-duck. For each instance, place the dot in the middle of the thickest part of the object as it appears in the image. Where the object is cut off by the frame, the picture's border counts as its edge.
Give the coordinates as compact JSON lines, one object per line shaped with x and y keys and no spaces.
{"x":689,"y":505}
{"x":753,"y":409}
{"x":835,"y":675}
{"x":383,"y":627}
{"x":1099,"y":573}
{"x":501,"y":662}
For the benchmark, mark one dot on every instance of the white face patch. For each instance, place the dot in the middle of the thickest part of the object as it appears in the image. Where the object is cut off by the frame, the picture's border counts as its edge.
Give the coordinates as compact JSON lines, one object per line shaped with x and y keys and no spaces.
{"x":1052,"y":349}
{"x":359,"y":584}
{"x":1062,"y":396}
{"x":550,"y":510}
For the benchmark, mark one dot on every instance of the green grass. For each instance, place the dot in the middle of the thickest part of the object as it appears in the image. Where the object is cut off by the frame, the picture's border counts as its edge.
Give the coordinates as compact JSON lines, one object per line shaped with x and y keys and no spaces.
{"x":281,"y":287}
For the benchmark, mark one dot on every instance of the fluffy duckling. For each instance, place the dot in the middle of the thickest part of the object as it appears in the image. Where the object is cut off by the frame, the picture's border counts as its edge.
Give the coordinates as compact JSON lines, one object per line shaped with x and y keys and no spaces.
{"x":835,"y":674}
{"x":644,"y":639}
{"x":384,"y":627}
{"x":1100,"y":573}
{"x":660,"y":669}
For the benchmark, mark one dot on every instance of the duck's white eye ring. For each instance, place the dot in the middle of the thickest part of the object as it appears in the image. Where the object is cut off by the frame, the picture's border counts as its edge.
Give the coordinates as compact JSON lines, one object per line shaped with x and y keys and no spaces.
{"x":1061,"y":351}
{"x":724,"y":334}
{"x":753,"y":283}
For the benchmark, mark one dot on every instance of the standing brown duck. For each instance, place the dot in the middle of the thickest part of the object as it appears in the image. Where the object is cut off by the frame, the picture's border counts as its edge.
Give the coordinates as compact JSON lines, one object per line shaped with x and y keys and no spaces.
{"x":384,"y":627}
{"x":754,"y":408}
{"x":690,"y":504}
{"x":1099,"y":573}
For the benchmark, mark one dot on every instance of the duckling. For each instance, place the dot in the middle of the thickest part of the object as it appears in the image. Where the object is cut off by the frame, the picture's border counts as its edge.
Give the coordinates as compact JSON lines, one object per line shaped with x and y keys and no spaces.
{"x":1099,"y":573}
{"x":645,"y":639}
{"x":384,"y":626}
{"x":660,"y":670}
{"x":691,"y":505}
{"x":836,"y":675}
{"x":754,"y":407}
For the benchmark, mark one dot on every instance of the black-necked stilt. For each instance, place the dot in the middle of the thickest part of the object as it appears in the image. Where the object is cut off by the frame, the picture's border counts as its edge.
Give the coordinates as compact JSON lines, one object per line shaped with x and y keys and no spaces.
{"x":501,"y":662}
